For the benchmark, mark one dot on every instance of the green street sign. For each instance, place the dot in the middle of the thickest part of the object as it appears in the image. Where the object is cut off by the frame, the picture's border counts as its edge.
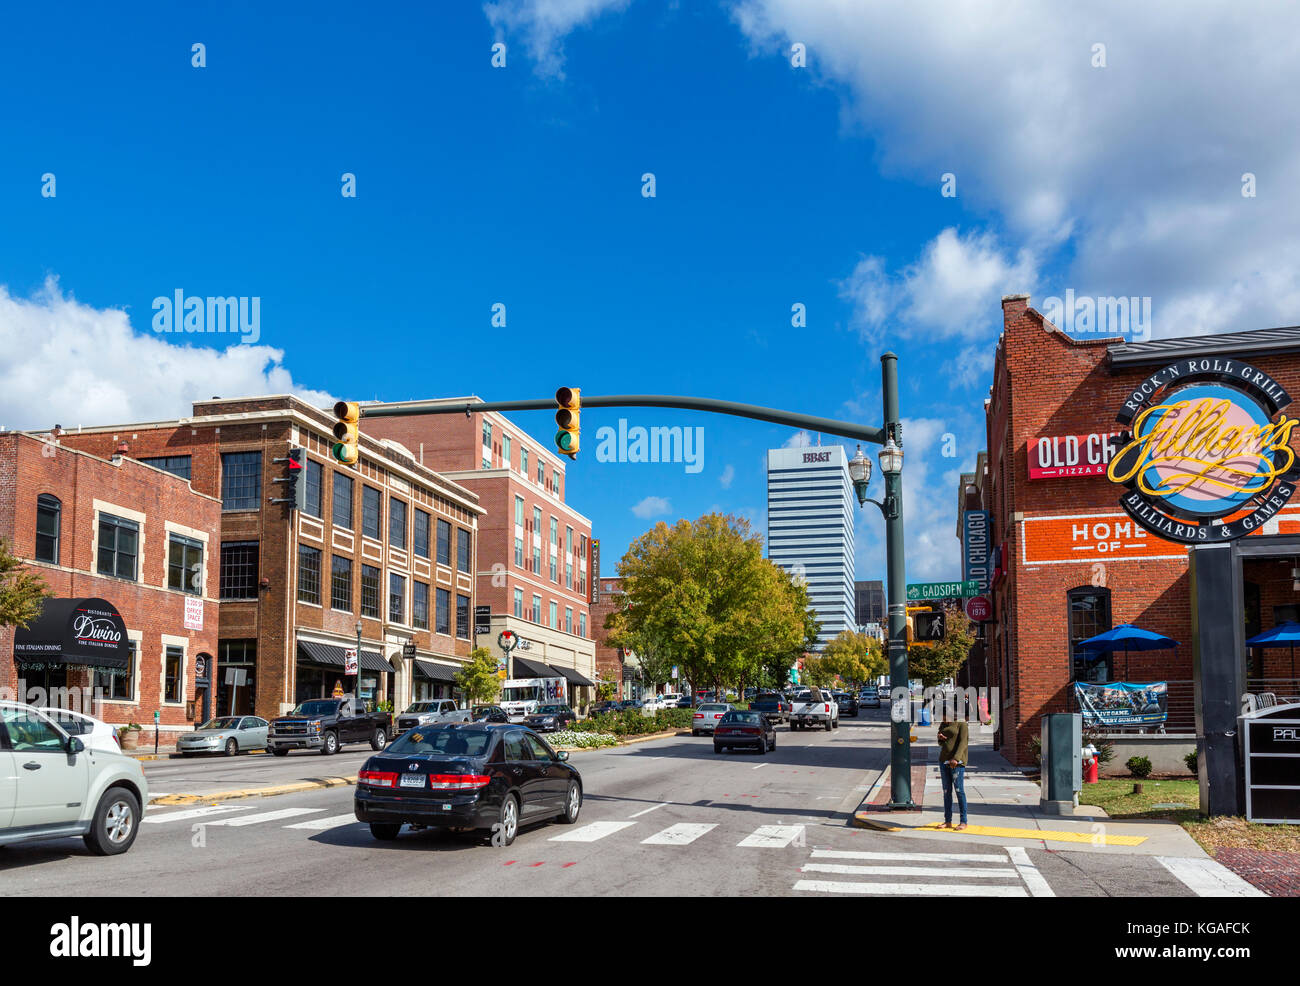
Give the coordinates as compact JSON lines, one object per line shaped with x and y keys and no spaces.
{"x":942,"y":590}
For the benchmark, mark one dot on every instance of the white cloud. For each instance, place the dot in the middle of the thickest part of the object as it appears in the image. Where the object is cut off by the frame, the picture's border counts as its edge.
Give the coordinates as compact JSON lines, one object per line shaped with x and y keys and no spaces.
{"x":728,"y":475}
{"x":68,"y":363}
{"x":542,"y":25}
{"x":652,"y":506}
{"x":800,"y":439}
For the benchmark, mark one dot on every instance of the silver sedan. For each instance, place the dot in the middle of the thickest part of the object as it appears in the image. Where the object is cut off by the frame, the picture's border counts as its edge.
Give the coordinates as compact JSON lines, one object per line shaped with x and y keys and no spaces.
{"x":225,"y":734}
{"x":706,"y":717}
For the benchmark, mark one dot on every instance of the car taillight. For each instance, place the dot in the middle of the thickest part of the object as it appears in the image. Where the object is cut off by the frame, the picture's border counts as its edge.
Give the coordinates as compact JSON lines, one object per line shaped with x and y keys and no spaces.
{"x":828,"y":707}
{"x":458,"y":782}
{"x":377,"y":778}
{"x":717,"y":715}
{"x":699,"y":715}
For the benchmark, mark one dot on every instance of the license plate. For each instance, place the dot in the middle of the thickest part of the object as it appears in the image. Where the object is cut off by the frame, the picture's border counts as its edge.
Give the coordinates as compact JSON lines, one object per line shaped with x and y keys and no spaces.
{"x":412,"y":780}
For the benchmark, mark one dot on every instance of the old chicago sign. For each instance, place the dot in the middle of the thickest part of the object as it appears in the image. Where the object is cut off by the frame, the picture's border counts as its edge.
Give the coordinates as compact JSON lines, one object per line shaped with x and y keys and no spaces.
{"x":1207,"y":454}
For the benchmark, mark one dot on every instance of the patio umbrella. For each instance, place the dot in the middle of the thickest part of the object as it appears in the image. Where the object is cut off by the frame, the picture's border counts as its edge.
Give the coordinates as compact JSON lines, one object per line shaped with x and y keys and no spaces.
{"x":1284,"y":634}
{"x":1127,"y":637}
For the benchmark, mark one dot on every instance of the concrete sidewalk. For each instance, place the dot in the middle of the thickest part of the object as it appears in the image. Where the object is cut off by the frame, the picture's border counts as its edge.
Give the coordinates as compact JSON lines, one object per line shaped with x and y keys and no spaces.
{"x":1002,"y":806}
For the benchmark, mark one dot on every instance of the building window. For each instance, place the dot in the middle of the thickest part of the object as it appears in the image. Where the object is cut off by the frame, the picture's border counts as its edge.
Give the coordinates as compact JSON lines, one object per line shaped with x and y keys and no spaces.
{"x":462,"y":550}
{"x":342,"y":510}
{"x":396,"y":524}
{"x":568,"y":540}
{"x":314,"y":479}
{"x":555,"y":526}
{"x":341,"y":583}
{"x":119,"y":687}
{"x":541,"y":473}
{"x":442,"y":613}
{"x":519,"y":552}
{"x":49,"y":517}
{"x":568,"y":619}
{"x":241,"y":480}
{"x":308,"y":575}
{"x":462,"y":617}
{"x":537,"y":609}
{"x":506,"y":450}
{"x":420,"y":533}
{"x":1089,"y":615}
{"x":420,"y":605}
{"x":523,"y":461}
{"x":487,"y":437}
{"x":370,"y":591}
{"x":185,"y":565}
{"x":552,"y":614}
{"x":173,"y":675}
{"x":444,"y":543}
{"x":582,"y":625}
{"x":568,"y":574}
{"x":396,"y":598}
{"x":519,"y":603}
{"x":177,"y":465}
{"x":119,"y":542}
{"x":238,"y":579}
{"x":519,"y":511}
{"x":370,"y":509}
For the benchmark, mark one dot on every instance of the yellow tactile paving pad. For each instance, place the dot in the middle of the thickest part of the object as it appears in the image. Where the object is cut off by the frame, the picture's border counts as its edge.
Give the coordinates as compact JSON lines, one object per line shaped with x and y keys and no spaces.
{"x":997,"y":832}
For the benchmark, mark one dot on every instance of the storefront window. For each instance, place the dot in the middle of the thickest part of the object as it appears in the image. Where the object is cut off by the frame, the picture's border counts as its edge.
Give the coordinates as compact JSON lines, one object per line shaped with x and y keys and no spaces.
{"x":1089,"y":614}
{"x":173,"y":675}
{"x":118,"y":687}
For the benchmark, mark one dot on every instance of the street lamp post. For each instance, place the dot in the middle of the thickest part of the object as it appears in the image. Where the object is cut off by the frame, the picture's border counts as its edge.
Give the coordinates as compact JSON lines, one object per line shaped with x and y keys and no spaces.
{"x":356,"y":688}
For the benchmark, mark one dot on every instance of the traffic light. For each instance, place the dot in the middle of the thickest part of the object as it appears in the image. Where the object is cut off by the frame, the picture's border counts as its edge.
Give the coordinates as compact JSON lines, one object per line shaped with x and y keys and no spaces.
{"x":345,"y":432}
{"x":295,"y":487}
{"x":566,"y":439}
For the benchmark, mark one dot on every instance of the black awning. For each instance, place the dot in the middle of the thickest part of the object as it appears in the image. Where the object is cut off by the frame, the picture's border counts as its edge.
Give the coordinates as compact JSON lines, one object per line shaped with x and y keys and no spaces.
{"x":87,"y":632}
{"x":576,"y":679}
{"x":436,"y":671}
{"x":524,"y":668}
{"x":314,"y":653}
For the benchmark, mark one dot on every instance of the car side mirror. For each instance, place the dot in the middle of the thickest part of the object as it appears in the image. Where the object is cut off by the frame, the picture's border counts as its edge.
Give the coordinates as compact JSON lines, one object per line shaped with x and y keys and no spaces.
{"x":562,"y":755}
{"x":75,"y":746}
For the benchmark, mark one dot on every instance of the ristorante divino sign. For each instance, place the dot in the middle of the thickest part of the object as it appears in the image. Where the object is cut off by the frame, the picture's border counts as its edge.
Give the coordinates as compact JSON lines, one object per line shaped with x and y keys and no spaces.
{"x":1207,"y":453}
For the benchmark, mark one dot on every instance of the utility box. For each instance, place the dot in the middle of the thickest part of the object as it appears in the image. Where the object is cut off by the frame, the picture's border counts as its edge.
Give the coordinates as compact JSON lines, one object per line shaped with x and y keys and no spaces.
{"x":1061,"y":778}
{"x":1271,"y":749}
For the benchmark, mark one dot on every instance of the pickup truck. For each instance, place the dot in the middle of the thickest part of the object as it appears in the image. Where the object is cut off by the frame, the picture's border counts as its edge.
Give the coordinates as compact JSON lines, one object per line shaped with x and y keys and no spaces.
{"x":326,"y":724}
{"x":813,"y":708}
{"x":773,"y":705}
{"x":429,"y":712}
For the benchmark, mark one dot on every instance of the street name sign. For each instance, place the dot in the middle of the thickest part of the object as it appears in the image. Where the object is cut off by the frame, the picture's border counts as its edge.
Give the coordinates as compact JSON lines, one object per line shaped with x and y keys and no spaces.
{"x":942,"y":590}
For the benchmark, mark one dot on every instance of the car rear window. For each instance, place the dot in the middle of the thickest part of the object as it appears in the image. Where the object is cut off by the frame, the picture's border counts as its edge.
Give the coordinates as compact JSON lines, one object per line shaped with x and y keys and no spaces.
{"x":445,"y":742}
{"x":712,"y":707}
{"x":740,"y":715}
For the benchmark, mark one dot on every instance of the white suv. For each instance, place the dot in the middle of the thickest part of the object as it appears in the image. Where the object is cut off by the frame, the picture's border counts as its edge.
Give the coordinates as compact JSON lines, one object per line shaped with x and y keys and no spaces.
{"x":52,"y":787}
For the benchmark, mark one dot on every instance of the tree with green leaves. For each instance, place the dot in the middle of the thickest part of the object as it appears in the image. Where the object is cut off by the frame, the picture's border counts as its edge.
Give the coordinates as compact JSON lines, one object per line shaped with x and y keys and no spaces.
{"x":855,"y":657}
{"x":22,"y":591}
{"x":935,"y":663}
{"x":478,"y":679}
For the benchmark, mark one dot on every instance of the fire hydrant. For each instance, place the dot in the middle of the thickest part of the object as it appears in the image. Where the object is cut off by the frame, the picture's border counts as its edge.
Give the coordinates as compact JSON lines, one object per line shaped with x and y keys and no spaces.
{"x":1090,"y":764}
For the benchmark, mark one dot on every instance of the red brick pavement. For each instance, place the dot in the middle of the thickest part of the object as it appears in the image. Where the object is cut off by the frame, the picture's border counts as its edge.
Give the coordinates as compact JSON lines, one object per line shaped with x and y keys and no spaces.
{"x":1276,"y":873}
{"x":882,"y":794}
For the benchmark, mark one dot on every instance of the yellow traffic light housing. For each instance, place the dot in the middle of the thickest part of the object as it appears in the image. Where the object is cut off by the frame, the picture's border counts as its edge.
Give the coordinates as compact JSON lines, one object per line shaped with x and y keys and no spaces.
{"x":569,"y":400}
{"x":346,"y":436}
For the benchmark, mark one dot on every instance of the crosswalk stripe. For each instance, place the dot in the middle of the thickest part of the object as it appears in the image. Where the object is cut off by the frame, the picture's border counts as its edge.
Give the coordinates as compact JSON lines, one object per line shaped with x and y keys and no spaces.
{"x":1038,"y":886}
{"x":771,"y":837}
{"x":320,"y":824}
{"x":682,"y":834}
{"x":188,"y":813}
{"x":920,"y":857}
{"x":592,"y":832}
{"x":267,"y":816}
{"x":1206,"y":878}
{"x":952,"y":872}
{"x":911,"y":889}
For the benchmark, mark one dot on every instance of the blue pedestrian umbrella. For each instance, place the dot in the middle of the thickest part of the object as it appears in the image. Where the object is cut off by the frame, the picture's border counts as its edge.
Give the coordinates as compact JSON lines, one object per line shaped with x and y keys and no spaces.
{"x":1283,"y":635}
{"x":1127,"y":637}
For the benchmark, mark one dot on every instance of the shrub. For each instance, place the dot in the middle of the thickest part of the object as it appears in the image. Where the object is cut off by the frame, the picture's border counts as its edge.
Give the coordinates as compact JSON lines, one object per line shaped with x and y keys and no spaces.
{"x":1036,"y":749}
{"x":1138,"y":766}
{"x":1192,"y":761}
{"x":585,"y":739}
{"x":632,"y":722}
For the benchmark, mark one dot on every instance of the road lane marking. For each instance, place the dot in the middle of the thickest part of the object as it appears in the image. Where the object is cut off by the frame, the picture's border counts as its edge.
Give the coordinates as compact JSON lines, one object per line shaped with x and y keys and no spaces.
{"x":188,"y":813}
{"x":1206,"y":878}
{"x":682,"y":834}
{"x":321,"y":824}
{"x":959,"y":872}
{"x":591,"y":832}
{"x":910,"y":889}
{"x":772,"y":837}
{"x":921,"y":857}
{"x":646,"y":811}
{"x":267,"y":816}
{"x":1038,"y":886}
{"x":759,"y":766}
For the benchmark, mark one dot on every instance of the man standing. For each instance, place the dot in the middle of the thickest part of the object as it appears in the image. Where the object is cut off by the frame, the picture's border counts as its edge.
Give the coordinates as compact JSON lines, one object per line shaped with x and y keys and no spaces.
{"x":954,"y":735}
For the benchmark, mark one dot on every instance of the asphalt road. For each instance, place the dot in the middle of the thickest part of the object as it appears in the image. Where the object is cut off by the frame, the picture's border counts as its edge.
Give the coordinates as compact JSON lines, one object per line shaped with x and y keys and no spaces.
{"x":665,"y":817}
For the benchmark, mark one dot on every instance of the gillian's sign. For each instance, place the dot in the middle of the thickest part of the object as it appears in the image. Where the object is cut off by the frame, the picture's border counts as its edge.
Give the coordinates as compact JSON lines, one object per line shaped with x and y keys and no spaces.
{"x":1207,"y":456}
{"x":1055,"y":456}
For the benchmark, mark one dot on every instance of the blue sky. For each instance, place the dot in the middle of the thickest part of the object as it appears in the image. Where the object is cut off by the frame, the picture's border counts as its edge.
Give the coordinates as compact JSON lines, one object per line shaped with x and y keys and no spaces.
{"x":776,"y":185}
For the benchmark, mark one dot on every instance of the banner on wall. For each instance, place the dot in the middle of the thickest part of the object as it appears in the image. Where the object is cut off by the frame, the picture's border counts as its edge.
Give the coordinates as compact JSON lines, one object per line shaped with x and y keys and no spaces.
{"x":1122,"y":703}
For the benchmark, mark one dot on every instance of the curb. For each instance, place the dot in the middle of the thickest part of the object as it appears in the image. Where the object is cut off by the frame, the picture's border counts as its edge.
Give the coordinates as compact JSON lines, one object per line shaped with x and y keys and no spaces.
{"x":310,"y":784}
{"x":182,"y":756}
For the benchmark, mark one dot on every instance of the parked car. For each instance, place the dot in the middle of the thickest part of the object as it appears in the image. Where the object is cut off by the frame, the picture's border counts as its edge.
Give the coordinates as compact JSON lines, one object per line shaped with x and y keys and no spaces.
{"x":230,"y":735}
{"x":814,"y":708}
{"x":95,"y":734}
{"x":670,"y":699}
{"x":488,"y":713}
{"x":742,"y":727}
{"x":602,"y":707}
{"x":772,"y":704}
{"x":429,"y":711}
{"x":327,"y":724}
{"x":870,"y":695}
{"x":685,"y":702}
{"x":706,"y":717}
{"x":551,"y":718}
{"x":652,"y":703}
{"x":848,"y":703}
{"x":467,"y":776}
{"x":58,"y":787}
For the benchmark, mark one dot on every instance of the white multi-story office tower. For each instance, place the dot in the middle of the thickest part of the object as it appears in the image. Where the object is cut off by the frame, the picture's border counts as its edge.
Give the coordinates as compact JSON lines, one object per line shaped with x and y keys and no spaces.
{"x":810,"y":528}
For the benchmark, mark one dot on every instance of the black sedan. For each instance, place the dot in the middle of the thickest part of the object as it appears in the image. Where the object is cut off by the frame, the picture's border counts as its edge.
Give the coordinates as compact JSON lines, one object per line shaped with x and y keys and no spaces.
{"x":602,"y":707}
{"x":848,"y":704}
{"x":488,"y":713}
{"x":740,"y":727}
{"x":467,"y":776}
{"x":551,"y":718}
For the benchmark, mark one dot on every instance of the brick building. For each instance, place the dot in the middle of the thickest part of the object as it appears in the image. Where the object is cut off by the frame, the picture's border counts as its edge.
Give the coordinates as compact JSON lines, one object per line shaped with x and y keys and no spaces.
{"x":138,"y":539}
{"x":613,"y":663}
{"x":535,"y":551}
{"x":1069,"y":562}
{"x":387,"y":544}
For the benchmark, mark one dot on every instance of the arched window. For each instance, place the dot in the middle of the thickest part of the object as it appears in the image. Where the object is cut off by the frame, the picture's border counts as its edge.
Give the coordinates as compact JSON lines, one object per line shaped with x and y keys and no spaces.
{"x":49,"y":513}
{"x":1088,"y":610}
